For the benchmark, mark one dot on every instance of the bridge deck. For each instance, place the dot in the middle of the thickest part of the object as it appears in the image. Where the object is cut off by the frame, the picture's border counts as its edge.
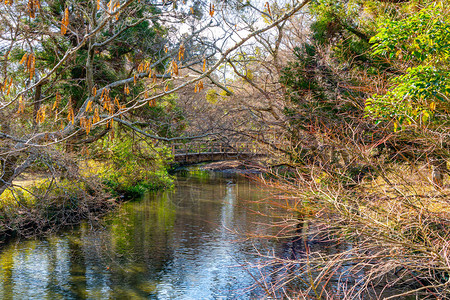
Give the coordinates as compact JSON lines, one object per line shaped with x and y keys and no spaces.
{"x":202,"y":152}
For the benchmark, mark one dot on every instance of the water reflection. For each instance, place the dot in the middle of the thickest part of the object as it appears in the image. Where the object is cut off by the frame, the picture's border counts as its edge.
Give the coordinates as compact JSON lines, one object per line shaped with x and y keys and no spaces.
{"x":170,"y":245}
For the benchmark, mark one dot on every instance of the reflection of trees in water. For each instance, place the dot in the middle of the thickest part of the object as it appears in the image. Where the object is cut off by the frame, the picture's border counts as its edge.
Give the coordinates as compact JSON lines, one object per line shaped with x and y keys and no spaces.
{"x":312,"y":263}
{"x":290,"y":268}
{"x":172,"y":239}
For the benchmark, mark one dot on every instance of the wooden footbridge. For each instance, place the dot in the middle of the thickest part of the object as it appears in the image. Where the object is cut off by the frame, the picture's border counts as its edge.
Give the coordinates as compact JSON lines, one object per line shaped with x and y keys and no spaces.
{"x":197,"y":152}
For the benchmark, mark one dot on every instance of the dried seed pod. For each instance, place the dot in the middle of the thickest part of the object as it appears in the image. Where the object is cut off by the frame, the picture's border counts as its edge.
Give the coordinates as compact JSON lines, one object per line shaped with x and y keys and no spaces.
{"x":65,"y":22}
{"x":89,"y":106}
{"x":24,"y":58}
{"x":9,"y":87}
{"x":211,"y":9}
{"x":96,"y":118}
{"x":174,"y":69}
{"x":181,"y":52}
{"x":71,"y":116}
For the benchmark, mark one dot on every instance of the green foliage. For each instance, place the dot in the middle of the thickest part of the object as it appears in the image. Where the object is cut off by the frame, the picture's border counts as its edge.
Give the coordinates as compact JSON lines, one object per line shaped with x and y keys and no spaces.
{"x":421,"y":93}
{"x":311,"y":89}
{"x":135,"y":167}
{"x":423,"y":37}
{"x":62,"y":189}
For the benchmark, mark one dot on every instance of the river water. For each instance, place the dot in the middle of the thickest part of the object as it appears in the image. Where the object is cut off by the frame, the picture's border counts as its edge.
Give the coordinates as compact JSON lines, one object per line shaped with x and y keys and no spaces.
{"x":176,"y":244}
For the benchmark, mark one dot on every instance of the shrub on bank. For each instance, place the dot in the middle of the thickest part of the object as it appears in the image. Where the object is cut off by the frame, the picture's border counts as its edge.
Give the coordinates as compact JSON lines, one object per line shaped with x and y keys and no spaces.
{"x":134,"y":167}
{"x":49,"y":204}
{"x":84,"y":191}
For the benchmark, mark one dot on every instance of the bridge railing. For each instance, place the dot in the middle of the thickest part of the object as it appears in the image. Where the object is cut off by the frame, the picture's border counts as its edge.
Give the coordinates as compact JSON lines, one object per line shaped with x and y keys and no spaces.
{"x":213,"y":147}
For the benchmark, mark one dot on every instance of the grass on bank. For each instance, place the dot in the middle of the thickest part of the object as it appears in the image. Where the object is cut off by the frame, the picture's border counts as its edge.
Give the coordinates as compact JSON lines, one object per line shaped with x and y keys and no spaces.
{"x":128,"y":171}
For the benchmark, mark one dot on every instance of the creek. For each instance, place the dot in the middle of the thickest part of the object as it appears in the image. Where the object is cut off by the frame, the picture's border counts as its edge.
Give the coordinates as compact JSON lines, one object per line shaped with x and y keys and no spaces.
{"x":175,"y":244}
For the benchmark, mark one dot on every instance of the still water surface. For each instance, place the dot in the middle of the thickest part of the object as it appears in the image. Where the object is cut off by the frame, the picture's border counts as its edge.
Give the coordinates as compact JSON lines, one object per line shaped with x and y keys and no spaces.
{"x":174,"y":244}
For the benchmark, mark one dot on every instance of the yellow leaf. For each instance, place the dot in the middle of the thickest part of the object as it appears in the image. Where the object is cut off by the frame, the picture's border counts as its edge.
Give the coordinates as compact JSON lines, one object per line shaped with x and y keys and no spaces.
{"x":433,"y":105}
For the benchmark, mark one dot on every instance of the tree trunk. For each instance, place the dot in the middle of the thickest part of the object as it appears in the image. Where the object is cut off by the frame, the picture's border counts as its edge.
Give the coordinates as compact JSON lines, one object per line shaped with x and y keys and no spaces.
{"x":37,"y":104}
{"x":10,"y":170}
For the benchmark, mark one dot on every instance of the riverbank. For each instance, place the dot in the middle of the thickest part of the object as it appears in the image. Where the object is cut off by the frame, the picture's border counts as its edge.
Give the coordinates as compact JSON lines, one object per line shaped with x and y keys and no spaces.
{"x":40,"y":203}
{"x":390,"y":234}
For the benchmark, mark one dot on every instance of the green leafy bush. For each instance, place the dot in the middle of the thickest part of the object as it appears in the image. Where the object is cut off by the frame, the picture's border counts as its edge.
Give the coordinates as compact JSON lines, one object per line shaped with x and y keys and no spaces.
{"x":135,"y":167}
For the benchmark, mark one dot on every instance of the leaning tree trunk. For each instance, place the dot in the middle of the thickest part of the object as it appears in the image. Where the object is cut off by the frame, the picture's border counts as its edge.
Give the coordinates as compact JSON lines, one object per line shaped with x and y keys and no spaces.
{"x":10,"y":170}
